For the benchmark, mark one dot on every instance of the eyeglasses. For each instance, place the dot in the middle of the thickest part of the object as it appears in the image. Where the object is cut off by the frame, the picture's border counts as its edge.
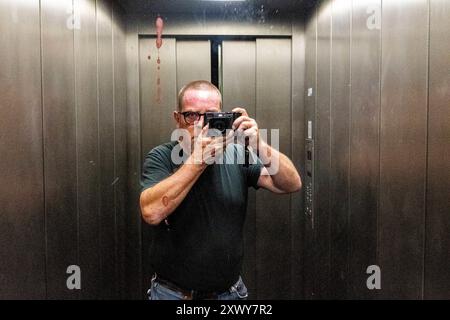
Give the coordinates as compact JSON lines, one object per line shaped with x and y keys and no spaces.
{"x":191,"y":117}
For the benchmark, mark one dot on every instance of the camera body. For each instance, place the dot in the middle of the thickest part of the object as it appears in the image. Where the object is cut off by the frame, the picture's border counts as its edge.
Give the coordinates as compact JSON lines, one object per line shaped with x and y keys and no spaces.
{"x":220,"y":121}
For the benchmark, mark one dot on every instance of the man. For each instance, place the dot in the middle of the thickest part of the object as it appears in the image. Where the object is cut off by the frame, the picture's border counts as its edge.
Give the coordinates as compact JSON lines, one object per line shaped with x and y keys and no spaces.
{"x":198,"y":208}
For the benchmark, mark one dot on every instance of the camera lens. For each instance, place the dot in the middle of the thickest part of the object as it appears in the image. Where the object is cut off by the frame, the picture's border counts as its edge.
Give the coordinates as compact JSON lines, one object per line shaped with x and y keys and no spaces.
{"x":219,"y":125}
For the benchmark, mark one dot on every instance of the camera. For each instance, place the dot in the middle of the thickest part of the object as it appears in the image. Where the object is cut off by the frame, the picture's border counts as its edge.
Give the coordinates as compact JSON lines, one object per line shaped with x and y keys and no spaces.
{"x":220,"y":122}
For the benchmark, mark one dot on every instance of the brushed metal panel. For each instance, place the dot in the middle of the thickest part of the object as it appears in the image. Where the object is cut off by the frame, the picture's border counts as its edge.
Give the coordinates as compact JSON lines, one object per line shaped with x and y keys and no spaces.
{"x":157,"y":122}
{"x":60,"y":158}
{"x":22,"y":233}
{"x":298,"y":156}
{"x":273,"y":111}
{"x":437,"y":259}
{"x":193,"y":61}
{"x":239,"y":89}
{"x":365,"y":150}
{"x":239,"y":71}
{"x":87,"y":147}
{"x":108,"y":227}
{"x":310,"y":106}
{"x":134,"y":235}
{"x":340,"y":146}
{"x":322,"y":154}
{"x":403,"y":147}
{"x":120,"y":119}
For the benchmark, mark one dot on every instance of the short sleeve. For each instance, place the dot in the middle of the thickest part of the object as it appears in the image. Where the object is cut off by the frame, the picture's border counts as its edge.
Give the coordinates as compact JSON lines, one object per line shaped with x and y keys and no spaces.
{"x":155,"y":169}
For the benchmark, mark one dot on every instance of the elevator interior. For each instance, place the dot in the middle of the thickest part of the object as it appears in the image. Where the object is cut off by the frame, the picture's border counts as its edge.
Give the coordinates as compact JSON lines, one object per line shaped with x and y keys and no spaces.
{"x":359,"y":90}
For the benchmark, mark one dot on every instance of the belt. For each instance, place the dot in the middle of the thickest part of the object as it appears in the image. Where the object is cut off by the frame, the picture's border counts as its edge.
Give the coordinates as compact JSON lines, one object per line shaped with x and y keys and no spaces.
{"x":189,"y":294}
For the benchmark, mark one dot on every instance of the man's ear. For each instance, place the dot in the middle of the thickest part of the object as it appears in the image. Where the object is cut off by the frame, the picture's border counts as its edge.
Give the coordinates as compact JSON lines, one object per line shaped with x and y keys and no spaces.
{"x":176,"y":117}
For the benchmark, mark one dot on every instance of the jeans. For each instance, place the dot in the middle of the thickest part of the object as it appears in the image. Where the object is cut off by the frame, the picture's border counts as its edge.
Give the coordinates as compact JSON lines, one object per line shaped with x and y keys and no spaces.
{"x":157,"y":291}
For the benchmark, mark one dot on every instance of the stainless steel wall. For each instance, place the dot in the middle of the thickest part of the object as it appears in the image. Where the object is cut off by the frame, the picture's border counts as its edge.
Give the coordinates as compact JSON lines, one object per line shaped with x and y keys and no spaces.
{"x":22,"y":219}
{"x":376,"y":71}
{"x":437,"y":225}
{"x":63,"y":146}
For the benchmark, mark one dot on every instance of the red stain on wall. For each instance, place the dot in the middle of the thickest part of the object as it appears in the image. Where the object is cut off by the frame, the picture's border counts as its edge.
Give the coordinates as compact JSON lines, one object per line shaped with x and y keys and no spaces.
{"x":159,"y":24}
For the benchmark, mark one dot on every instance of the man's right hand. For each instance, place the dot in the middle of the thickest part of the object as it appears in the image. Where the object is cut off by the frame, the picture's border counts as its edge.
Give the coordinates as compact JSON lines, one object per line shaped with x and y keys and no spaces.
{"x":206,"y":150}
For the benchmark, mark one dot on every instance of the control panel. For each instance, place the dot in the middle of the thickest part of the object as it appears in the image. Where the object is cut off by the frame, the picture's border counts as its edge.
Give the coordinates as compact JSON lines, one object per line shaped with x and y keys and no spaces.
{"x":309,"y":179}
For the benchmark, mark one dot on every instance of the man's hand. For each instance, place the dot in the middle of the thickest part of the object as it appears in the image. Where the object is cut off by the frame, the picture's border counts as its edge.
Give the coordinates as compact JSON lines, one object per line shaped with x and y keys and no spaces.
{"x":206,"y":150}
{"x":247,"y":127}
{"x":279,"y":174}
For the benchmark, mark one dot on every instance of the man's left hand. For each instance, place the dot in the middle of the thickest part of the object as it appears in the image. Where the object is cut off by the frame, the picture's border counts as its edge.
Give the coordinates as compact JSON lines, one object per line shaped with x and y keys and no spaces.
{"x":244,"y":125}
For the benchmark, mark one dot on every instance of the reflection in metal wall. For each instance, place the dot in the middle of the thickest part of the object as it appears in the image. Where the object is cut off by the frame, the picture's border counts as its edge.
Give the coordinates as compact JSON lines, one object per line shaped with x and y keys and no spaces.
{"x":186,"y":24}
{"x":252,"y":72}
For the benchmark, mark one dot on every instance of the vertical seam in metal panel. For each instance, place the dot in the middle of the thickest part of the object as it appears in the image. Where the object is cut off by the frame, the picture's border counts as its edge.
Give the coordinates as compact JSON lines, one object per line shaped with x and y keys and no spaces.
{"x":41,"y":51}
{"x":330,"y":123}
{"x":314,"y":231}
{"x":77,"y":173}
{"x":116,"y":265}
{"x":292,"y":154}
{"x":427,"y":150}
{"x":98,"y":149}
{"x":139,"y":144}
{"x":380,"y":115}
{"x":350,"y":126}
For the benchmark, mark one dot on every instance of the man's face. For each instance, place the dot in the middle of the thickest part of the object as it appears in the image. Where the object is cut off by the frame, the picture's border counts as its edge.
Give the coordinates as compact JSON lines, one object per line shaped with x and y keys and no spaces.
{"x":200,"y":101}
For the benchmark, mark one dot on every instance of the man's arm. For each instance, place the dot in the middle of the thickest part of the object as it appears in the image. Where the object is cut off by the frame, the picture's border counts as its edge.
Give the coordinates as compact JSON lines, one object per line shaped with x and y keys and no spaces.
{"x":286,"y":179}
{"x":159,"y":201}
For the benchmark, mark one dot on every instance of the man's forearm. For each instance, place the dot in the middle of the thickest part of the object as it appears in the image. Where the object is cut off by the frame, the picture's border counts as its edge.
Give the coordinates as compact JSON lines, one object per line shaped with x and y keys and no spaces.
{"x":159,"y":201}
{"x":286,"y":178}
